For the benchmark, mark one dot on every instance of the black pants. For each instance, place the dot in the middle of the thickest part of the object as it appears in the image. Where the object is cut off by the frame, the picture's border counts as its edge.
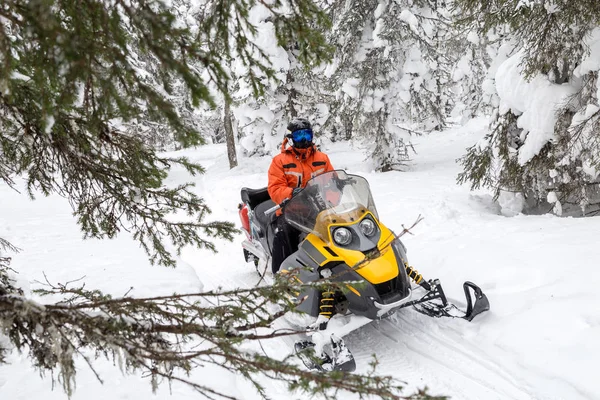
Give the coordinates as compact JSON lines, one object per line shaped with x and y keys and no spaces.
{"x":285,"y":243}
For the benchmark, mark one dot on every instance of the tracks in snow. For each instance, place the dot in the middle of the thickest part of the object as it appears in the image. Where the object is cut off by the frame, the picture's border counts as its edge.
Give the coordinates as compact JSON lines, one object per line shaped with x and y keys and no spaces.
{"x":408,"y":346}
{"x":413,"y":348}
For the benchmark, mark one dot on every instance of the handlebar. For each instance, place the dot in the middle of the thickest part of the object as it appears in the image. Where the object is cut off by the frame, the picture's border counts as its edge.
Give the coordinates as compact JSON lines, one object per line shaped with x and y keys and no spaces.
{"x":272,"y":209}
{"x":277,"y":207}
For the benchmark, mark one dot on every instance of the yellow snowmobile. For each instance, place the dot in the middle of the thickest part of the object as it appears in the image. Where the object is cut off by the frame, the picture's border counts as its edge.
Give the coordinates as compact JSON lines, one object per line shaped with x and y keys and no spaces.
{"x":343,"y":241}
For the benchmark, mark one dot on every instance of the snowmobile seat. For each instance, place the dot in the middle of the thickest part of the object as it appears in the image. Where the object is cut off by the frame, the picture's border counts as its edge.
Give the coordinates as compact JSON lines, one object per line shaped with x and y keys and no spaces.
{"x":254,"y":197}
{"x":259,"y":212}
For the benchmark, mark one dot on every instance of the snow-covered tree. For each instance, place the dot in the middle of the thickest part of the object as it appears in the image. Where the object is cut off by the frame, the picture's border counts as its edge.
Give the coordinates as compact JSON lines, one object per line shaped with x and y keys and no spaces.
{"x":543,"y":146}
{"x":475,"y":59}
{"x":203,"y":118}
{"x":297,"y":91}
{"x":391,"y":73}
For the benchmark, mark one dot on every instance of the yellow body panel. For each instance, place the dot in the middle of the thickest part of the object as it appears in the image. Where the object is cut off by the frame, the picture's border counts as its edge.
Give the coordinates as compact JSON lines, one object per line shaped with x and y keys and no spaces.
{"x":375,"y":270}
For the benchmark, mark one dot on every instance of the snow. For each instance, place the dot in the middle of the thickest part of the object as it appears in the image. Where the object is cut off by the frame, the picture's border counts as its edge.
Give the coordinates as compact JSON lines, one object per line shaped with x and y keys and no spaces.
{"x":551,"y":8}
{"x":379,"y":27}
{"x":511,"y":203}
{"x":591,"y":62}
{"x":410,"y":19}
{"x":539,"y":341}
{"x":379,"y":10}
{"x":590,"y":169}
{"x":552,"y":198}
{"x":472,"y":37}
{"x":245,"y":114}
{"x":350,"y":87}
{"x":536,"y":101}
{"x":19,"y":76}
{"x":49,"y":123}
{"x":463,"y":68}
{"x":265,"y":39}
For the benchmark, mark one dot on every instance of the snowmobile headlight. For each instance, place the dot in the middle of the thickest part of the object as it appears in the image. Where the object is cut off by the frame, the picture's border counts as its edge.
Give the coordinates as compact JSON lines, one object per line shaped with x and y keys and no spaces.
{"x":342,"y":236}
{"x":368,"y":227}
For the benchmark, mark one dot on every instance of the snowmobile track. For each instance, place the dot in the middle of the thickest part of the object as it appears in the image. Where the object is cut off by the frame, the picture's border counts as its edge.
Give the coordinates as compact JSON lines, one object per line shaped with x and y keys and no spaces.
{"x":450,"y":355}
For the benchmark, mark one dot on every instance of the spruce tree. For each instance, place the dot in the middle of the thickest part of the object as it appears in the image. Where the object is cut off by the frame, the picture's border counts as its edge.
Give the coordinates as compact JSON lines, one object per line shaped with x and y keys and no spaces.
{"x":390,"y":74}
{"x":299,"y":91}
{"x":551,"y":43}
{"x":71,"y":86}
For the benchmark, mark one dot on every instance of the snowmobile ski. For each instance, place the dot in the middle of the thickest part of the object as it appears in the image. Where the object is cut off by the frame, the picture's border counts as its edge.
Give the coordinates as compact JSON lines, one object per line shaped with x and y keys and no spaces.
{"x":429,"y":306}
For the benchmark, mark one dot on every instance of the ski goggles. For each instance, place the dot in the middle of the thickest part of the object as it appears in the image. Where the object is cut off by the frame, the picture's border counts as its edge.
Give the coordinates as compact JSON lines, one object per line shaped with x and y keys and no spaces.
{"x":302,"y":135}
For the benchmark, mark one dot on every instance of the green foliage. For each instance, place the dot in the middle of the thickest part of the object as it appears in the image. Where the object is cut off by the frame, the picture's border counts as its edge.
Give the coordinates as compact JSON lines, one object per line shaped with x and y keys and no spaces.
{"x":165,"y":337}
{"x":6,"y":283}
{"x":482,"y":168}
{"x":74,"y":81}
{"x":551,"y":39}
{"x":476,"y":166}
{"x":549,"y":31}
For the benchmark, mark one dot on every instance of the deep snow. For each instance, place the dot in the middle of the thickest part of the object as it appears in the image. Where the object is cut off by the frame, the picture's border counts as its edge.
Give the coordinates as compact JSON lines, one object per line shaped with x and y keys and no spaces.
{"x":539,"y":341}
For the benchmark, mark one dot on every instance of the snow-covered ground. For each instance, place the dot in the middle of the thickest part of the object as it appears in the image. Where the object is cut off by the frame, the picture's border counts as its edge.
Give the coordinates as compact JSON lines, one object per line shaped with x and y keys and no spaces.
{"x":539,"y":341}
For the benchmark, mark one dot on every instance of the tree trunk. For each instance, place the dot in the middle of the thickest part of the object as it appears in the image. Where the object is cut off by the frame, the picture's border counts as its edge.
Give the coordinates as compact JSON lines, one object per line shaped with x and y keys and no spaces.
{"x":290,"y":106}
{"x":440,"y":109}
{"x":229,"y":136}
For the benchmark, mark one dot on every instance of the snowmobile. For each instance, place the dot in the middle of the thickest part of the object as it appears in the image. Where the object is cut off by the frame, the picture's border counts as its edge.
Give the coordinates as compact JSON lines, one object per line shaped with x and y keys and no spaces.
{"x":343,"y":241}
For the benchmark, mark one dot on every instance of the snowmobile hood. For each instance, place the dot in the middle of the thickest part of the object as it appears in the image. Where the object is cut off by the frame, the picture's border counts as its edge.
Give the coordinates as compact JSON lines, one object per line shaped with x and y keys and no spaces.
{"x":380,"y":269}
{"x":377,"y":266}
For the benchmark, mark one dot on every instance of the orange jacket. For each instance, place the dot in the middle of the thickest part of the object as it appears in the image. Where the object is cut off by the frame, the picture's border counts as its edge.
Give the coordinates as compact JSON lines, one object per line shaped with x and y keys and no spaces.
{"x":292,"y":168}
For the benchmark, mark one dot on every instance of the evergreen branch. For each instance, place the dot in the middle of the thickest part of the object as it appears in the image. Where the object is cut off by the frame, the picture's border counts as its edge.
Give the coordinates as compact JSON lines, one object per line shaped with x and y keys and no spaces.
{"x":164,"y":336}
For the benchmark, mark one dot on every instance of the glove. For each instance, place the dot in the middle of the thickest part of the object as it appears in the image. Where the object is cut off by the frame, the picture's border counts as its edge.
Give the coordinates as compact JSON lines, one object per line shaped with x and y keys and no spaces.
{"x":296,"y":191}
{"x":339,"y":183}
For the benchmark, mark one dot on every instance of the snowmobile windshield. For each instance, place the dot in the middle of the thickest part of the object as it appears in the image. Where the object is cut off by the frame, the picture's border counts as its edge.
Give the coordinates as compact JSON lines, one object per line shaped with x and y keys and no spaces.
{"x":330,"y":198}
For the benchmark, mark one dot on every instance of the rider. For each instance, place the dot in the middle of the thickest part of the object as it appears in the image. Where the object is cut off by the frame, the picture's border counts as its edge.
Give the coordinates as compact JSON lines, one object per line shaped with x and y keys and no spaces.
{"x":298,"y":162}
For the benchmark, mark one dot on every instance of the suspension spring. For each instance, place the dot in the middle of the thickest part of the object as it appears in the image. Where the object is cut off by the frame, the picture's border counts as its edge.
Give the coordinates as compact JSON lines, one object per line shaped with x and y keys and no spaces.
{"x":327,"y":306}
{"x":413,"y":274}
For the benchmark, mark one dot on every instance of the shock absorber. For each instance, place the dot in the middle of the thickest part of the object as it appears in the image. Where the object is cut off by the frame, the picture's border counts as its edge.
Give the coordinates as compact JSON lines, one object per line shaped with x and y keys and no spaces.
{"x":416,"y":276}
{"x":327,"y":306}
